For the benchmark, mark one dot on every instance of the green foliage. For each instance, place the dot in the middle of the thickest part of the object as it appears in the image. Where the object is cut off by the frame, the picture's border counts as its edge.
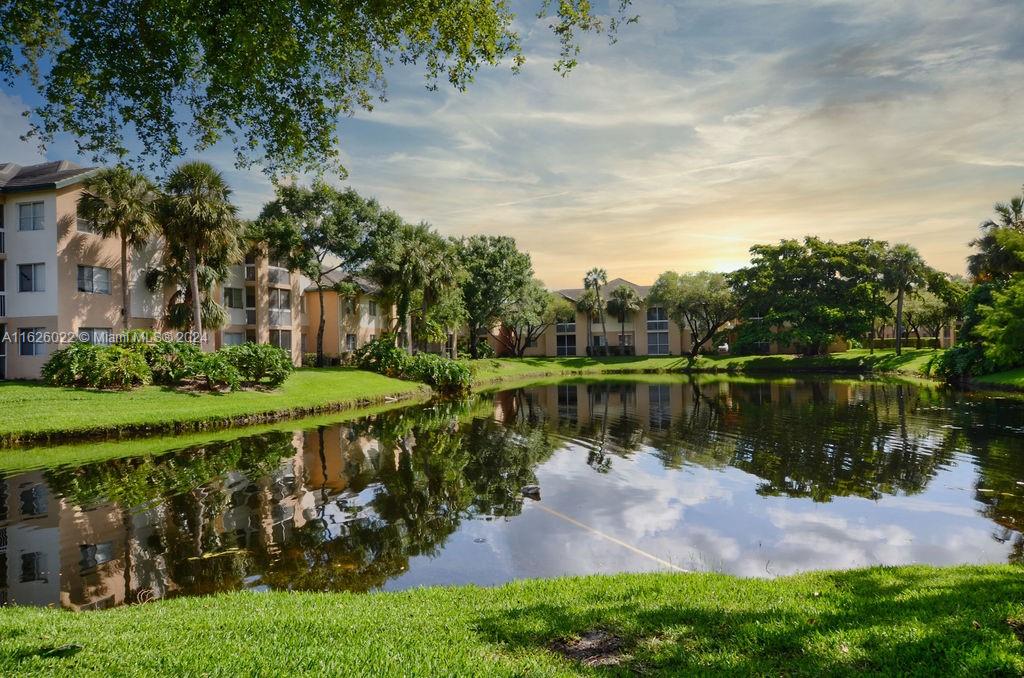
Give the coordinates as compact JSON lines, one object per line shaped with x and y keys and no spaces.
{"x":73,"y":365}
{"x":450,"y":377}
{"x":259,"y":364}
{"x":496,"y":275}
{"x":172,"y":361}
{"x":120,"y":368}
{"x":218,"y":373}
{"x":1002,"y":326}
{"x":702,"y":303}
{"x":382,"y":356}
{"x":484,"y":349}
{"x":526,"y":318}
{"x":812,"y":292}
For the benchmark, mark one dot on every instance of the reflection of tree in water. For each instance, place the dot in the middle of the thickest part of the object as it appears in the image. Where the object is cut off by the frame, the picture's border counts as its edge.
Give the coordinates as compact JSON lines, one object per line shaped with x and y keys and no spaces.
{"x":613,"y":431}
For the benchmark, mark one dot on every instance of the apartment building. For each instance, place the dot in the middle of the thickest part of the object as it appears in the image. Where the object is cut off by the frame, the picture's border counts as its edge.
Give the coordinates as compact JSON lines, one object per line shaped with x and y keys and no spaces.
{"x":351,"y":321}
{"x":647,"y":331}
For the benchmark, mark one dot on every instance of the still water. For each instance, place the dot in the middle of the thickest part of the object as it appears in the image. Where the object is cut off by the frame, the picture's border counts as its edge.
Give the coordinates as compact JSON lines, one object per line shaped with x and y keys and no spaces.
{"x":756,"y":478}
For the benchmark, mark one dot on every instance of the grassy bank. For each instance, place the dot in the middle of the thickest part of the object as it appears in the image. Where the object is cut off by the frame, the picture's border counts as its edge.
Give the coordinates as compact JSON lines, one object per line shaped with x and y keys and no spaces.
{"x":36,"y":412}
{"x":909,"y":621}
{"x":861,"y":361}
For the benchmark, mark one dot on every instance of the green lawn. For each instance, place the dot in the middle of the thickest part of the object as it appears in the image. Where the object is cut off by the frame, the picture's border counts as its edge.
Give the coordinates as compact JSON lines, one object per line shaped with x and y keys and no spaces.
{"x":861,"y":361}
{"x":1009,"y":379}
{"x":893,"y":621}
{"x":34,"y":411}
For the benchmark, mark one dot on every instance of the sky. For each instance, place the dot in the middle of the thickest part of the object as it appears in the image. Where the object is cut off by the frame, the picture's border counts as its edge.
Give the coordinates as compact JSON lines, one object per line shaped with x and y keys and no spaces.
{"x":710,"y":126}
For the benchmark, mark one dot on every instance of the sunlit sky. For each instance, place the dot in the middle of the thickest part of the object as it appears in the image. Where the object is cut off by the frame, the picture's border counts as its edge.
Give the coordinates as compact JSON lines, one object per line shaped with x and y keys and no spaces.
{"x":710,"y":126}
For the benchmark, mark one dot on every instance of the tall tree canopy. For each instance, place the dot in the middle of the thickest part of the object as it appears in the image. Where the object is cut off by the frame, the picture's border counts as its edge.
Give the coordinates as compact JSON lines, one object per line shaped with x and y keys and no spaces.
{"x":496,"y":274}
{"x":903,"y":273}
{"x":702,"y":303}
{"x":998,"y":253}
{"x":533,"y":311}
{"x":271,"y":76}
{"x":811,"y":293}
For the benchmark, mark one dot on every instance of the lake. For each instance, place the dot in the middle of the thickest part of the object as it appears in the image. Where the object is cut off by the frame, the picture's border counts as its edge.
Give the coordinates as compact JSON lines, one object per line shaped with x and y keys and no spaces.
{"x":752,"y":477}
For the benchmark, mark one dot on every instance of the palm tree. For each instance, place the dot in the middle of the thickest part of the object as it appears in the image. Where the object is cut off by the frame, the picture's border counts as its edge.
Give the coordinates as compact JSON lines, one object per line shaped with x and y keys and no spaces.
{"x":624,"y":300}
{"x":594,"y":280}
{"x":904,"y":272}
{"x":121,"y":204}
{"x":197,"y":214}
{"x":993,"y":260}
{"x":588,"y":304}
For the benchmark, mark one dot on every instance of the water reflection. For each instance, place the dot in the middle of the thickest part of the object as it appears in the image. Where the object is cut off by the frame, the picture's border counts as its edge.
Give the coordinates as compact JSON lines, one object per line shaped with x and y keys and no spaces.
{"x":758,"y":477}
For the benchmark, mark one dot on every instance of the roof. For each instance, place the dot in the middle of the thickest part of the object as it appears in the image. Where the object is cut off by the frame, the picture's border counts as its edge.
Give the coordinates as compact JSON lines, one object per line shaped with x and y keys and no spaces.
{"x":574,"y":293}
{"x":15,"y":178}
{"x":335,"y":277}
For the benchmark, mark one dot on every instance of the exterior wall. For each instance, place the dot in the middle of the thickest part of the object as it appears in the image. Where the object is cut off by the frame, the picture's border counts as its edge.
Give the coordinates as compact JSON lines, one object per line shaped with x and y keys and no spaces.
{"x":339,"y":321}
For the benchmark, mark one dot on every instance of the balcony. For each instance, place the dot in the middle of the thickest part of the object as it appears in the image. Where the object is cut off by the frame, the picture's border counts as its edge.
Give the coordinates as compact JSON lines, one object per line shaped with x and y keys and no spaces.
{"x":280,"y":317}
{"x":279,"y":276}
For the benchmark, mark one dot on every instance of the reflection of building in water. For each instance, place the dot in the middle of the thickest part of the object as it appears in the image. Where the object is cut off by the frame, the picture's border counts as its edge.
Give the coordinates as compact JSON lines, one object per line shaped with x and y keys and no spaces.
{"x":53,"y":552}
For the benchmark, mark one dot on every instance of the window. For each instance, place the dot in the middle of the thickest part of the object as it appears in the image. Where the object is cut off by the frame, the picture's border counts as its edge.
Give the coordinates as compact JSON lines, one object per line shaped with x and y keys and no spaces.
{"x":351,"y":307}
{"x":625,"y":340}
{"x":350,"y":342}
{"x":372,"y":308}
{"x":83,"y":225}
{"x":94,"y":555}
{"x":281,"y":299}
{"x":233,"y":297}
{"x":565,"y":344}
{"x":33,"y":566}
{"x":657,"y":331}
{"x":33,"y":500}
{"x":250,"y":267}
{"x":250,"y":336}
{"x":30,"y":341}
{"x":568,"y":403}
{"x":282,"y":339}
{"x":531,"y":342}
{"x":93,"y":280}
{"x":599,"y":341}
{"x":565,"y":328}
{"x":657,"y":343}
{"x":30,"y":216}
{"x":277,"y":262}
{"x":96,"y":335}
{"x":31,"y":277}
{"x":234,"y":338}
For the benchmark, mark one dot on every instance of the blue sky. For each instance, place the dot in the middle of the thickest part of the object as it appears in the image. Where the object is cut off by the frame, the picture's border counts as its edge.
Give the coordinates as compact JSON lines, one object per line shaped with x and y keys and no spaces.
{"x":710,"y":126}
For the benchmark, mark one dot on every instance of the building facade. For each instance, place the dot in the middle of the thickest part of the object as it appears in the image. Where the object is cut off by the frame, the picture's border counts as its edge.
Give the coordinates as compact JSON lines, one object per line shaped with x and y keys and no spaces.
{"x":350,"y":321}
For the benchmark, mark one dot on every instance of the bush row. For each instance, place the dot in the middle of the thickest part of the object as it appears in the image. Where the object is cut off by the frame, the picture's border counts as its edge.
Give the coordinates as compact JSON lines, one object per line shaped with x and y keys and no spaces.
{"x":450,"y":377}
{"x":140,"y":361}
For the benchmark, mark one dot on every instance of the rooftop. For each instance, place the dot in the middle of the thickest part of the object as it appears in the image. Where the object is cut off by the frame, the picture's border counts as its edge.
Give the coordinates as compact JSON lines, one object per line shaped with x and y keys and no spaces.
{"x":574,"y":293}
{"x":336,"y":277}
{"x":15,"y":178}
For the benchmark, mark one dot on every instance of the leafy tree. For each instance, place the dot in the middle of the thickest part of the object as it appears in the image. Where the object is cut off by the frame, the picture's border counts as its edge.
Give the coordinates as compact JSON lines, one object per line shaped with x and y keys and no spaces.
{"x":589,"y":304}
{"x":320,"y":231}
{"x":595,"y":279}
{"x":496,"y":274}
{"x":810,"y":293}
{"x":998,"y":257}
{"x":623,"y":301}
{"x":702,"y":303}
{"x":904,"y":271}
{"x":121,"y":204}
{"x":1002,"y":325}
{"x":529,"y":315}
{"x":271,"y":76}
{"x":198,"y":216}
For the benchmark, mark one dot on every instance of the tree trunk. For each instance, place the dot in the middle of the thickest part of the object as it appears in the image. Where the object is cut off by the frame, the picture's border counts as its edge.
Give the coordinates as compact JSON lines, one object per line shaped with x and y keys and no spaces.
{"x":604,"y":328}
{"x":125,"y":294}
{"x":197,"y":310}
{"x":899,"y":322}
{"x":474,"y":351}
{"x":320,"y":328}
{"x":917,"y":333}
{"x":622,"y":334}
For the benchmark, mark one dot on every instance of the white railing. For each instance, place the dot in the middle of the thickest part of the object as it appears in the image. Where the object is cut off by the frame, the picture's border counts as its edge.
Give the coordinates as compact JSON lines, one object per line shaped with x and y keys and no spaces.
{"x":280,"y":316}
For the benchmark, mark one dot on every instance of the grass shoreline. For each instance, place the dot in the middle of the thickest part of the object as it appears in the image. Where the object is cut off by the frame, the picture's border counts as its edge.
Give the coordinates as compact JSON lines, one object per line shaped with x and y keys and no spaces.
{"x":916,"y":620}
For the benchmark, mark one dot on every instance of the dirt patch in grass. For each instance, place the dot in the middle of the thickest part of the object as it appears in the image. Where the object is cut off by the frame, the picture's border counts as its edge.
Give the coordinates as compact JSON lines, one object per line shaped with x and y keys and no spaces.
{"x":593,"y":648}
{"x":1017,"y":626}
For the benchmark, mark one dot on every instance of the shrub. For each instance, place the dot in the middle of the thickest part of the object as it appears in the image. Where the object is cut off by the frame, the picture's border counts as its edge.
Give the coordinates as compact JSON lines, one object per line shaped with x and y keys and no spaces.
{"x":451,"y":377}
{"x":259,"y":363}
{"x":71,"y":366}
{"x":172,"y":361}
{"x":117,"y":367}
{"x":382,"y":356}
{"x":218,"y":372}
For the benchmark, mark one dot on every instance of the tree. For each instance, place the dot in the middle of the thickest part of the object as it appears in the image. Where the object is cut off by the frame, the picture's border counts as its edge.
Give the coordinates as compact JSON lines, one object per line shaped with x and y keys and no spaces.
{"x":624,"y":300}
{"x":595,"y":279}
{"x":903,"y":272}
{"x":196,"y":214}
{"x":529,"y":315}
{"x":702,"y":303}
{"x":810,"y":293}
{"x":496,"y":274}
{"x":321,"y":232}
{"x":1002,"y":325}
{"x":997,"y":257}
{"x":121,"y":204}
{"x":271,"y":76}
{"x":589,"y":304}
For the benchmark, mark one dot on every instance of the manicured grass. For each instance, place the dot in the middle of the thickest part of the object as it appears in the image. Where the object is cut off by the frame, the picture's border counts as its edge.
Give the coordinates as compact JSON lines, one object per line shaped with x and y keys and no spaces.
{"x":882,"y":621}
{"x":860,"y":361}
{"x":34,"y":411}
{"x":1008,"y":379}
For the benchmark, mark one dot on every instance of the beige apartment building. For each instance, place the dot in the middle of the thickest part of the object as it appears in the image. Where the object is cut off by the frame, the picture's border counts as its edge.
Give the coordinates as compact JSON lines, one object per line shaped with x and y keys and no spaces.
{"x":60,"y":281}
{"x":351,"y":321}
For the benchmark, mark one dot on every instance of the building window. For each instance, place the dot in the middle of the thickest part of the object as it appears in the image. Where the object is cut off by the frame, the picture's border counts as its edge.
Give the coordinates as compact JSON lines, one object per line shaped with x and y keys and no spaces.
{"x":659,"y":396}
{"x":350,"y":342}
{"x":93,"y":280}
{"x":281,"y":339}
{"x":83,"y":225}
{"x":250,"y":336}
{"x":33,"y":566}
{"x":281,"y":300}
{"x":565,"y":328}
{"x":565,"y":344}
{"x":372,"y":308}
{"x":233,"y":297}
{"x":531,"y":342}
{"x":30,"y":341}
{"x":33,"y":500}
{"x":351,"y":307}
{"x":94,"y":555}
{"x":30,"y":216}
{"x":568,"y":403}
{"x":234,"y":338}
{"x":31,"y":277}
{"x":250,"y":267}
{"x":96,"y":335}
{"x":657,"y":331}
